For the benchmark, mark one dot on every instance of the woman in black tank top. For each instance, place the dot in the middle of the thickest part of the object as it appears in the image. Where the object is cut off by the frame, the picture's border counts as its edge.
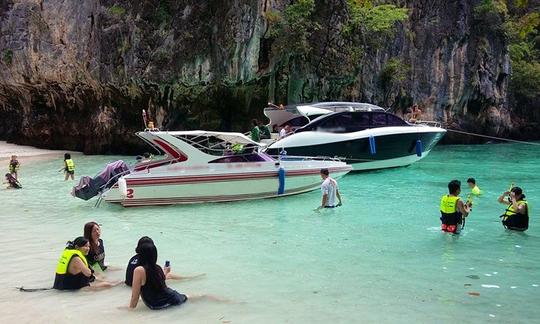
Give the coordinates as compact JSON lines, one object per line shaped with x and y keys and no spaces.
{"x":149,"y":282}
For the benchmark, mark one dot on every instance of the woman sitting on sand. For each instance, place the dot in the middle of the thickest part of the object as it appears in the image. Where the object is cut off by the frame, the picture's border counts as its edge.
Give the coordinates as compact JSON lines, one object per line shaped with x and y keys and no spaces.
{"x":149,"y":282}
{"x":73,"y":272}
{"x":96,"y":255}
{"x":135,"y":261}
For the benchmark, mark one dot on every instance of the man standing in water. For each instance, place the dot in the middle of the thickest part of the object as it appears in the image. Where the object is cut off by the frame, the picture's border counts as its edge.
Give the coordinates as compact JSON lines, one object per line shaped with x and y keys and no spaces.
{"x":453,"y":210}
{"x":329,"y":190}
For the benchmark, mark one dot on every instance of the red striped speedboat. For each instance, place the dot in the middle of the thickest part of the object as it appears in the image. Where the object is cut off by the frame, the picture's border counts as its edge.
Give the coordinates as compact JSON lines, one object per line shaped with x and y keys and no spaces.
{"x":202,"y":166}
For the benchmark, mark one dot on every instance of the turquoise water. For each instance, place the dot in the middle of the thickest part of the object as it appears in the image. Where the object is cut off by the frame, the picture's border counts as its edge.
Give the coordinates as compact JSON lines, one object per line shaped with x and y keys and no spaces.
{"x":380,"y":258}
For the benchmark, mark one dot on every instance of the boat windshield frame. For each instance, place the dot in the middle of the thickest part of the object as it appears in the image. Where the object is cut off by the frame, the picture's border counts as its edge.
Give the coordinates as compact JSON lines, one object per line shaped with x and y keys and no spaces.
{"x":212,"y":144}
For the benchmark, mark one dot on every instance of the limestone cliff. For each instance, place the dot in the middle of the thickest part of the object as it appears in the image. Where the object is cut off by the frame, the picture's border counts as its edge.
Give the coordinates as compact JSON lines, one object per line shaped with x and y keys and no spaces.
{"x":76,"y":74}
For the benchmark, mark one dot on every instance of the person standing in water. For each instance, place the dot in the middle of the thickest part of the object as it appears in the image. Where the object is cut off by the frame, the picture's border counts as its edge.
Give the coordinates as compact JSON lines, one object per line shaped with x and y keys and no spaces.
{"x":516,"y":215}
{"x":471,"y":182}
{"x":453,"y":210}
{"x":14,"y":166}
{"x":69,"y":167}
{"x":330,"y":191}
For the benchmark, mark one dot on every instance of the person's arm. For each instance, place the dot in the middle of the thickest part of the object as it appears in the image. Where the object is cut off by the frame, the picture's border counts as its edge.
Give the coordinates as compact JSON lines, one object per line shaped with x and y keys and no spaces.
{"x":138,"y":277}
{"x":324,"y":200}
{"x":463,"y":208}
{"x":501,"y":198}
{"x":520,"y":209}
{"x":173,"y":276}
{"x":77,"y":266}
{"x":339,"y":197}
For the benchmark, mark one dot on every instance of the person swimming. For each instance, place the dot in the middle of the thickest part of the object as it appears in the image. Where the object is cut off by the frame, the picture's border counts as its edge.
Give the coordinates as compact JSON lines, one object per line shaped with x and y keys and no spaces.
{"x":471,"y":182}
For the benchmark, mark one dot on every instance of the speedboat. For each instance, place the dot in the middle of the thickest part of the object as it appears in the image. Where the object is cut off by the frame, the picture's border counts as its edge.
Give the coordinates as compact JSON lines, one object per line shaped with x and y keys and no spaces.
{"x":363,"y":135}
{"x":204,"y":166}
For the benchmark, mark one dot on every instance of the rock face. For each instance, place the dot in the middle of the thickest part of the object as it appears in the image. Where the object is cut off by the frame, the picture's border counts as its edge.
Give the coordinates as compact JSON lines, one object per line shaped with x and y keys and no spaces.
{"x":76,"y":74}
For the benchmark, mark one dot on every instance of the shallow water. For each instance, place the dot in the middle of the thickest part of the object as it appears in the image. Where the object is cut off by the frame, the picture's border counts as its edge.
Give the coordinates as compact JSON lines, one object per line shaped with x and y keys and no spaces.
{"x":380,"y":258}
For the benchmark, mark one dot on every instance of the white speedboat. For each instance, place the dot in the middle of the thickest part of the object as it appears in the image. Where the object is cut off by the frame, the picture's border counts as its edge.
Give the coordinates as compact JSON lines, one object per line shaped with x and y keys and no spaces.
{"x":363,"y":135}
{"x":201,"y":166}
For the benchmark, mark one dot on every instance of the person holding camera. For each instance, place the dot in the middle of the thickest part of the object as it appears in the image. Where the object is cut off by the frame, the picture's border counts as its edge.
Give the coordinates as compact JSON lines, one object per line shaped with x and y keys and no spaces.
{"x":516,"y":215}
{"x":453,"y":210}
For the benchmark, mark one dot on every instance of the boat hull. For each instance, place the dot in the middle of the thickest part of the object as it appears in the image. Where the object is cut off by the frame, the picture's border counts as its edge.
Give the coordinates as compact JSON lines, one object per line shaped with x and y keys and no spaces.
{"x":219,"y":186}
{"x":390,"y":149}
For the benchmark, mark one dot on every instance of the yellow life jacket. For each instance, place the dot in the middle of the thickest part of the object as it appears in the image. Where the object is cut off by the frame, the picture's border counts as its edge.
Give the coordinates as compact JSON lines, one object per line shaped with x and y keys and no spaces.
{"x":510,"y":211}
{"x":70,"y":165}
{"x":449,"y":204}
{"x":13,"y":166}
{"x":476,"y":191}
{"x":65,"y":258}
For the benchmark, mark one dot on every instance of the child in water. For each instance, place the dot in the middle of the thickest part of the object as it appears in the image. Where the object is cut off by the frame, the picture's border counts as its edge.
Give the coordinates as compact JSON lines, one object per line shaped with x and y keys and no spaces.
{"x":471,"y":182}
{"x":12,"y":182}
{"x":14,"y":166}
{"x":69,"y":167}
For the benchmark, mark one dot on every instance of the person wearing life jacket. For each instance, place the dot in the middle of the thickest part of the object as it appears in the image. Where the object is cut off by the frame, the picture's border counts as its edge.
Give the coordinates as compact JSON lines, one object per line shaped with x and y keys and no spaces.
{"x":12,"y":182}
{"x":453,"y":210}
{"x":471,"y":182}
{"x":516,"y":215}
{"x":69,"y":167}
{"x":14,"y":166}
{"x":72,"y":270}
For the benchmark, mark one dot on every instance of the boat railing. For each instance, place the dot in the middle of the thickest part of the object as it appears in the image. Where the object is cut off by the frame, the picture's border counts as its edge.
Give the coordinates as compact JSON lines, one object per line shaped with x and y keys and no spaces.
{"x":306,"y":158}
{"x":112,"y":181}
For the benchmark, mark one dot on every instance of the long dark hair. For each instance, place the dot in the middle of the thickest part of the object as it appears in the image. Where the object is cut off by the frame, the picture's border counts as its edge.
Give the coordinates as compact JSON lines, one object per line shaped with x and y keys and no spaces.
{"x":88,"y":227}
{"x":154,"y":274}
{"x":143,"y":240}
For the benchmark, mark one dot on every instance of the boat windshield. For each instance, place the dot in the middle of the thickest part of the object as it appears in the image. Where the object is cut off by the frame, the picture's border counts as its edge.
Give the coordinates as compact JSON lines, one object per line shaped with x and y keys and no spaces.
{"x":218,"y":145}
{"x":243,"y":158}
{"x":345,"y":122}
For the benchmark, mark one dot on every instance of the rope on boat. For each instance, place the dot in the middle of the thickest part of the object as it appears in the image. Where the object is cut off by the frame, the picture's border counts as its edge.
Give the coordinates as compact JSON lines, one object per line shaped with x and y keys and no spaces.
{"x":492,"y":137}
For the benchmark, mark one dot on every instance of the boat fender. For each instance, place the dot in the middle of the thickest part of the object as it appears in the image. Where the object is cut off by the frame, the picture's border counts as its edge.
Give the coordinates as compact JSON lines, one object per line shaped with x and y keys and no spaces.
{"x":419,"y":148}
{"x":281,"y":178}
{"x":122,"y":186}
{"x":372,"y":148}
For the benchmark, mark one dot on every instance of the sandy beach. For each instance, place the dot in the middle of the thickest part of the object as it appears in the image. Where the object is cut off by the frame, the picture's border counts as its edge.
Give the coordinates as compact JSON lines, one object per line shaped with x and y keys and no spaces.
{"x":27,"y":152}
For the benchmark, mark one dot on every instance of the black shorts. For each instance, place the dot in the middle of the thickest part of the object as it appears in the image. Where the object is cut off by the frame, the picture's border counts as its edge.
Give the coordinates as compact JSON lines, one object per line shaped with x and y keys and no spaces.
{"x":174,"y":298}
{"x":70,"y":172}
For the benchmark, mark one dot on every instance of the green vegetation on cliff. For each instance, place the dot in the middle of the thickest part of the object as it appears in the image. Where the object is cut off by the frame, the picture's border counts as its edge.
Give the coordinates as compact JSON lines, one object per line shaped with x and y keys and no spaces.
{"x":522,"y":29}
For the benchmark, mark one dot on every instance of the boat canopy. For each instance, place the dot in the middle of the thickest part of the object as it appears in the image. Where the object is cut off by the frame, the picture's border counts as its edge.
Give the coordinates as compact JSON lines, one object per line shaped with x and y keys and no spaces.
{"x":339,"y":106}
{"x":281,"y":117}
{"x":299,"y":115}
